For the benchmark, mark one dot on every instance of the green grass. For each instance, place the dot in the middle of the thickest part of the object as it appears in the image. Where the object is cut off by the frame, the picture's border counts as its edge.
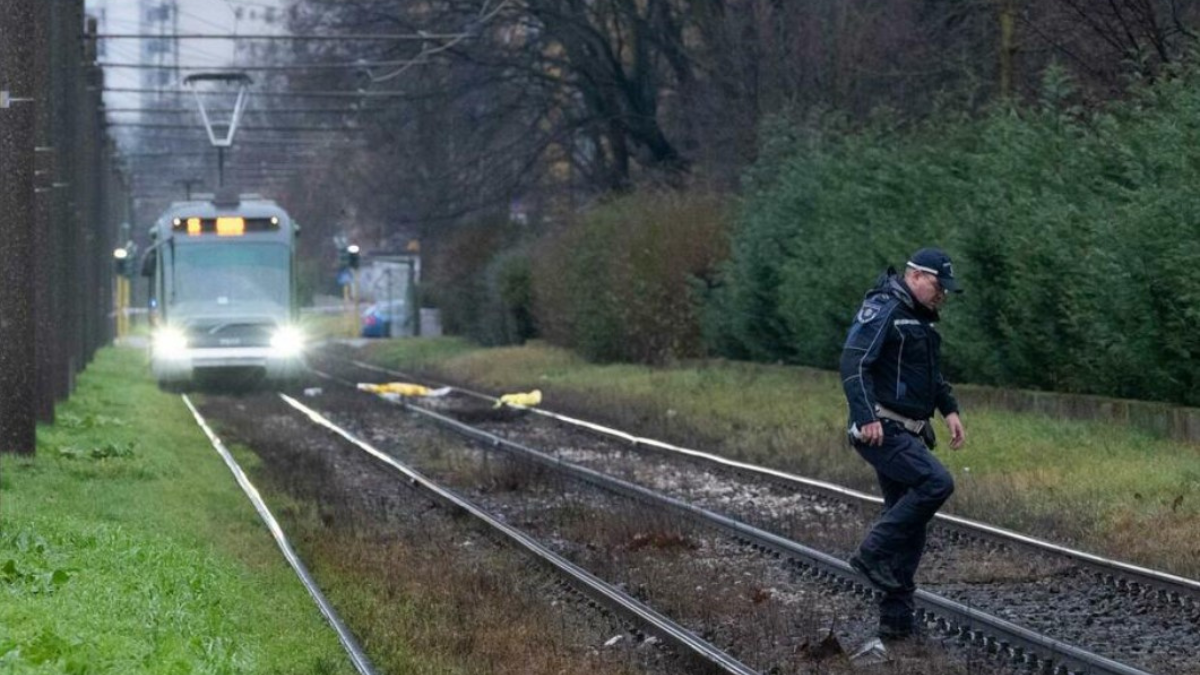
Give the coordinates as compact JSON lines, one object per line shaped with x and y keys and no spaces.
{"x":418,"y":353}
{"x":1106,"y":487}
{"x":332,"y":325}
{"x":126,"y":547}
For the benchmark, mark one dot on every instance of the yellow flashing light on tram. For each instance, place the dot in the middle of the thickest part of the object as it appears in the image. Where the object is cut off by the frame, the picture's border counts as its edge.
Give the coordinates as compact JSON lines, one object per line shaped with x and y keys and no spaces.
{"x":226,"y":226}
{"x":231,"y":227}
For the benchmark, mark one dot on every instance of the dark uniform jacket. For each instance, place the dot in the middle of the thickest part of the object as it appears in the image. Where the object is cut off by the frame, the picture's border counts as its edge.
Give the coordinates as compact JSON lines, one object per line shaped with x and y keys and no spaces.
{"x":892,"y":356}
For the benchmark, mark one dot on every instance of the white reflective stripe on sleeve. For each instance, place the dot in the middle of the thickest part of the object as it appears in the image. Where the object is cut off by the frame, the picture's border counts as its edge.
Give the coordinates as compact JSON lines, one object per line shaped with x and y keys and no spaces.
{"x":861,"y":383}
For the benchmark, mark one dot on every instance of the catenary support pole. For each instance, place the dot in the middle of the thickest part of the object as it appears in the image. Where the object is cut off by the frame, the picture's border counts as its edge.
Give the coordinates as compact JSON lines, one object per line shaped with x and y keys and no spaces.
{"x":17,"y":124}
{"x":43,"y":239}
{"x":60,"y":35}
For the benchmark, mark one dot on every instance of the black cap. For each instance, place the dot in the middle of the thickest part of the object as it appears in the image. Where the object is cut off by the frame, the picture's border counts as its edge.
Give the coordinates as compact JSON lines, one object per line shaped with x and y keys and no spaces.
{"x":935,"y":261}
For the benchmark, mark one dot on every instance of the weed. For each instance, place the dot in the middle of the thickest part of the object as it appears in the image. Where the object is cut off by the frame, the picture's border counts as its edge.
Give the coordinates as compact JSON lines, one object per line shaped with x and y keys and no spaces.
{"x":105,"y":451}
{"x":33,"y":582}
{"x":660,"y":541}
{"x":88,"y":420}
{"x":32,"y":571}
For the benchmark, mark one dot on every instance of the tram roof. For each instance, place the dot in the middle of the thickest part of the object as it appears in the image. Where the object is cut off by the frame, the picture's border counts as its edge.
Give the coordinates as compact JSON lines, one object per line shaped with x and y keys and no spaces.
{"x":248,"y":206}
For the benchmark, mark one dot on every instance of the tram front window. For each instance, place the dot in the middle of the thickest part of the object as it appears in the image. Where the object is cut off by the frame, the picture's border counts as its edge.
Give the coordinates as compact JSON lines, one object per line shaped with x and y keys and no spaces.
{"x":232,"y":277}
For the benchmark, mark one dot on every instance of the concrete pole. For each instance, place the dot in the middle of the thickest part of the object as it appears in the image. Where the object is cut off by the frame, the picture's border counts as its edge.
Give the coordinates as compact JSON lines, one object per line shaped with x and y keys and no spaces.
{"x":46,"y":173}
{"x":45,"y":328}
{"x":59,"y":197}
{"x":91,"y":181}
{"x":74,"y":153}
{"x":17,"y":133}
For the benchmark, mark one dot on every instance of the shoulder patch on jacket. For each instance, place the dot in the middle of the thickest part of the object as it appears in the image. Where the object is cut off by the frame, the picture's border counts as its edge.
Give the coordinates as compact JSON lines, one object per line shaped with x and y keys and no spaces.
{"x":869,"y":312}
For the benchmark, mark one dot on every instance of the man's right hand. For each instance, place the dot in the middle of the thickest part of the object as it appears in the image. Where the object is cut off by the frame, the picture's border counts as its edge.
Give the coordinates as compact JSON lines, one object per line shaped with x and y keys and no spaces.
{"x":872,"y":434}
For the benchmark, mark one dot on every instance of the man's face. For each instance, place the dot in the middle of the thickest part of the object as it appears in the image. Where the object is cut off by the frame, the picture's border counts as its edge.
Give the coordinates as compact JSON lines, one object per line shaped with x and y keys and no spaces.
{"x":927,"y":289}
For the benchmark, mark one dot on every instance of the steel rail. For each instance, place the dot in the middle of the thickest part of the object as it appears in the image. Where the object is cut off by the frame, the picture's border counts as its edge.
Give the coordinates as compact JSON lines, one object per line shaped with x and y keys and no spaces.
{"x":990,"y":632}
{"x":1176,"y":588}
{"x":353,"y":649}
{"x":586,"y":582}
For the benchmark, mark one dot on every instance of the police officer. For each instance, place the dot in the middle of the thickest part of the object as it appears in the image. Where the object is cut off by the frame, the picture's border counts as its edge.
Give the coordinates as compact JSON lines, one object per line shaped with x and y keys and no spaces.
{"x":893,"y":382}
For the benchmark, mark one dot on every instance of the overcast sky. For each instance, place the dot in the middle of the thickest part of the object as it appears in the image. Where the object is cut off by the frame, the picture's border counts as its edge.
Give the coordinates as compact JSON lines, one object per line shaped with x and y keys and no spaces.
{"x":234,"y":17}
{"x":195,"y":16}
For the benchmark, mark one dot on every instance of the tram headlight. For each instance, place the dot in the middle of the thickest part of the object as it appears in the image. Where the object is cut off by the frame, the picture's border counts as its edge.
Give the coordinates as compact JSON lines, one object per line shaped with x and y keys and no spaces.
{"x":288,"y":341}
{"x":169,"y":342}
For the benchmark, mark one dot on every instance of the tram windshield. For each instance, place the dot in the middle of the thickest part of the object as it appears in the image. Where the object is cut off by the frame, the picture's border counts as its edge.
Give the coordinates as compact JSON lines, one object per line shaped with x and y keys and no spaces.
{"x":225,"y":278}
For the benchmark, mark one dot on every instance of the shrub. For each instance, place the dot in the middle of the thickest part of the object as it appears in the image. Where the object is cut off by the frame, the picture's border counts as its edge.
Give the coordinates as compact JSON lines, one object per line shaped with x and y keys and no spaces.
{"x":1076,"y":235}
{"x":506,"y":314}
{"x":620,"y":282}
{"x":479,"y":280}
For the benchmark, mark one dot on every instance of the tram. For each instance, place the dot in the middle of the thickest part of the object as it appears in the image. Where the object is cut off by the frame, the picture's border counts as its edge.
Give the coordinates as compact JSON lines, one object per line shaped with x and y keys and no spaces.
{"x":223,"y":282}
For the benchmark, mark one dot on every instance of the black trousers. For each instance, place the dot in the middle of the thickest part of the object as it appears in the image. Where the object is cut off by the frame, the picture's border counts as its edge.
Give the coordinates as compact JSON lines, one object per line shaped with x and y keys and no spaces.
{"x":914,"y":486}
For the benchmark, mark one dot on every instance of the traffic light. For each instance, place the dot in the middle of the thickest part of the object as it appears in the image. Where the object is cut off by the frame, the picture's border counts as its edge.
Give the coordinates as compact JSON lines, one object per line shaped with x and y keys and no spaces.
{"x":123,"y":258}
{"x":121,"y":261}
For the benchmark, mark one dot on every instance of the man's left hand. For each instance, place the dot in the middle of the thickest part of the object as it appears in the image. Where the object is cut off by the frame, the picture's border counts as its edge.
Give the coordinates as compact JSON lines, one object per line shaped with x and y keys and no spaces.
{"x":958,"y":435}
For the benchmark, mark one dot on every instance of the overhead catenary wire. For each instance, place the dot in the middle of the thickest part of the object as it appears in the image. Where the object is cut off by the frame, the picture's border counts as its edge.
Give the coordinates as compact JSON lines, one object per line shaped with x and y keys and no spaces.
{"x":286,"y":129}
{"x":265,"y":94}
{"x":298,"y":142}
{"x":250,"y":111}
{"x":159,"y":125}
{"x":293,"y":67}
{"x":281,"y":36}
{"x":484,"y":16}
{"x":274,"y":169}
{"x":193,"y":50}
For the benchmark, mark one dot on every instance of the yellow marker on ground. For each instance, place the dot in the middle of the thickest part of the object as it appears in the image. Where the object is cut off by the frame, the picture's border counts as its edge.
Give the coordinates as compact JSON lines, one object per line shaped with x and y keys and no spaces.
{"x":402,"y":389}
{"x":525,"y":400}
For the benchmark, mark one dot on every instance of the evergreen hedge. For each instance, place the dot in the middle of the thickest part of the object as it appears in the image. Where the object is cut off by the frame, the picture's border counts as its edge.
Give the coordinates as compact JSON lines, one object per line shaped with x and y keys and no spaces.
{"x":1076,"y":234}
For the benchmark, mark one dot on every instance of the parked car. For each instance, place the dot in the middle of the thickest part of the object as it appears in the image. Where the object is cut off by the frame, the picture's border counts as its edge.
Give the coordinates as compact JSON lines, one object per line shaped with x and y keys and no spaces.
{"x":377,"y":319}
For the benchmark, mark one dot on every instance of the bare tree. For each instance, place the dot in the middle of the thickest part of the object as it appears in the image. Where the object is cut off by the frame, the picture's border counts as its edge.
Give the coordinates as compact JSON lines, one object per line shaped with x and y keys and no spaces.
{"x":544,"y":104}
{"x":1106,"y":40}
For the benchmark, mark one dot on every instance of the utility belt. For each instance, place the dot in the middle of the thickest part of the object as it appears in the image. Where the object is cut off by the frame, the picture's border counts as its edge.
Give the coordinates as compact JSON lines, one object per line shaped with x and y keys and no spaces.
{"x":915,"y":426}
{"x":921,"y":428}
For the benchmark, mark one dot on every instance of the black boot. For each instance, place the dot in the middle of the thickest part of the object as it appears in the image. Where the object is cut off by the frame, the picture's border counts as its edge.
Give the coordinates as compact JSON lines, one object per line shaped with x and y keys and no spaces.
{"x":892,"y":632}
{"x":877,"y":571}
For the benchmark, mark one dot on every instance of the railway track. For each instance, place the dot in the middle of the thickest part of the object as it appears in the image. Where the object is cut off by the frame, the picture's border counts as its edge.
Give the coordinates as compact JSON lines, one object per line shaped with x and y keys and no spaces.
{"x":1127,"y":577}
{"x":700,"y":655}
{"x":720,"y":586}
{"x":586,"y":583}
{"x":354,"y":650}
{"x":1143,"y":601}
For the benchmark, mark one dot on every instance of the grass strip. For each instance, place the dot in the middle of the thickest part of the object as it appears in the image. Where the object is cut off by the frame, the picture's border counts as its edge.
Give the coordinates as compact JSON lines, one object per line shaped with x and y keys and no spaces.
{"x":126,"y":547}
{"x":1102,"y":486}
